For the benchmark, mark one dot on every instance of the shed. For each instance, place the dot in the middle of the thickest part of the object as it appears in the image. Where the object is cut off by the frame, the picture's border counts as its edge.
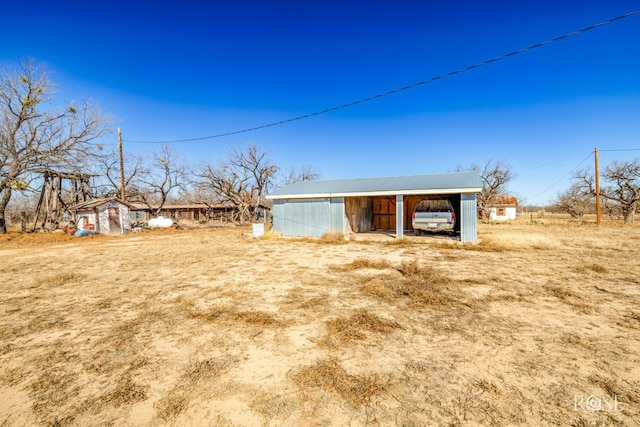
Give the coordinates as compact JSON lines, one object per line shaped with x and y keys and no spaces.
{"x":312,"y":208}
{"x":106,"y":216}
{"x":503,"y":208}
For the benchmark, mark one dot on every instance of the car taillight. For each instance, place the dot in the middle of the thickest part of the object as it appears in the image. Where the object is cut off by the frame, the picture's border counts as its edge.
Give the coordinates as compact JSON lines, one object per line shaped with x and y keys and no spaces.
{"x":413,"y":215}
{"x":453,"y":216}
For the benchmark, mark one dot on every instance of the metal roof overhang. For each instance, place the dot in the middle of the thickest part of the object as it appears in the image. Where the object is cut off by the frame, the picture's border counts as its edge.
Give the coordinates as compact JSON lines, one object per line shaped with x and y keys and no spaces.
{"x":412,"y":192}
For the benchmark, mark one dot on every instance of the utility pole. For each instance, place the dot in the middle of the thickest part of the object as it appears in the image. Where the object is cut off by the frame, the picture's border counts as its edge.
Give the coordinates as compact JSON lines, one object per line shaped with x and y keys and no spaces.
{"x":597,"y":175}
{"x":122,"y":193}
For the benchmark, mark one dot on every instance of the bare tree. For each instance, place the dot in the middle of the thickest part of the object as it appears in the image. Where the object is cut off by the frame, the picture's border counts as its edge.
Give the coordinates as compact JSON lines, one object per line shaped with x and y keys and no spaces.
{"x":242,"y":180}
{"x":159,"y":179}
{"x":304,"y":173}
{"x":36,"y":135}
{"x":622,"y":187}
{"x":576,"y":201}
{"x":108,"y":167}
{"x":495,"y":175}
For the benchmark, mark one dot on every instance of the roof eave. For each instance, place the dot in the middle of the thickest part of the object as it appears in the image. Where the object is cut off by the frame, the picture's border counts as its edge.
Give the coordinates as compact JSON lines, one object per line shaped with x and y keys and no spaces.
{"x":415,"y":192}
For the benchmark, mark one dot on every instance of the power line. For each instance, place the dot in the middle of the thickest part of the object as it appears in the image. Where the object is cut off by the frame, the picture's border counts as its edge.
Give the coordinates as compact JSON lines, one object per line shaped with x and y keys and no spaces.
{"x":564,"y":177}
{"x":401,"y":89}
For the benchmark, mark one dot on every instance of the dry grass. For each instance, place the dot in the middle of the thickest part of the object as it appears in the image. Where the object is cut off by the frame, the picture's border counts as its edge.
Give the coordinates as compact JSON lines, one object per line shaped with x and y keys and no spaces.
{"x":357,"y":327}
{"x":417,"y":286}
{"x":195,"y":375}
{"x":214,"y":327}
{"x":329,"y":375}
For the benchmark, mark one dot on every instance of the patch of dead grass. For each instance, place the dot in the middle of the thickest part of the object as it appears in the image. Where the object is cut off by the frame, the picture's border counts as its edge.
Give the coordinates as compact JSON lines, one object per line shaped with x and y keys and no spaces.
{"x":57,"y":279}
{"x":257,"y":318}
{"x":591,"y":268}
{"x":330,"y":376}
{"x":626,"y":392}
{"x":486,"y":244}
{"x":332,"y":238}
{"x":569,"y":297}
{"x":356,"y":327}
{"x":418,"y":285}
{"x":52,"y":393}
{"x":126,"y":392}
{"x":196,"y":375}
{"x":361,"y":263}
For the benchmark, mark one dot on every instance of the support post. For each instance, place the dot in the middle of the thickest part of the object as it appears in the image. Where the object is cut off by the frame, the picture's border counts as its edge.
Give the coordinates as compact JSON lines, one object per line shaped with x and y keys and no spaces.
{"x":122,"y":193}
{"x":597,"y":176}
{"x":399,"y":216}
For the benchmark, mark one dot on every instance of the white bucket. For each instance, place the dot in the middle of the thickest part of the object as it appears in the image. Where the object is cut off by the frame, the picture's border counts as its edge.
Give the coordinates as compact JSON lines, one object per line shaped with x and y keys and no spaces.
{"x":258,"y":230}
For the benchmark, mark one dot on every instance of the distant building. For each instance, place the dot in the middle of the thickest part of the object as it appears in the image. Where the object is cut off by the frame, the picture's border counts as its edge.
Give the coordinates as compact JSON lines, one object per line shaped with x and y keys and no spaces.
{"x":503,"y":208}
{"x":105,"y":216}
{"x":189,"y":212}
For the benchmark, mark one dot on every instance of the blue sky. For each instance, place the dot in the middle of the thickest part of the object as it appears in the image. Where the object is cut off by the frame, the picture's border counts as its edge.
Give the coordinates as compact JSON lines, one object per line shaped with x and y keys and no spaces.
{"x":177,"y":70}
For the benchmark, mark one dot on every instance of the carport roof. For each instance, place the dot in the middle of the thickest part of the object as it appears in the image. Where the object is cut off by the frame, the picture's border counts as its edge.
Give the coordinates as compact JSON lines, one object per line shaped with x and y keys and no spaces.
{"x":449,"y":183}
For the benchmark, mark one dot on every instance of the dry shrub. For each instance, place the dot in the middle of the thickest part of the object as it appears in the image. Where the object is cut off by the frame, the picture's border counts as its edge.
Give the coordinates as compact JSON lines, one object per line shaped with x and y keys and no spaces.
{"x":377,"y":264}
{"x":330,"y":376}
{"x":379,"y":287}
{"x":403,"y":242}
{"x":333,"y":238}
{"x":346,"y":330}
{"x":486,"y":244}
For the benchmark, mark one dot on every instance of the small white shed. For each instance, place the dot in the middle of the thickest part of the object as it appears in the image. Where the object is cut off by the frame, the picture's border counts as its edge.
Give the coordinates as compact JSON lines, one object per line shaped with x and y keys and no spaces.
{"x":503,"y":208}
{"x":105,"y":216}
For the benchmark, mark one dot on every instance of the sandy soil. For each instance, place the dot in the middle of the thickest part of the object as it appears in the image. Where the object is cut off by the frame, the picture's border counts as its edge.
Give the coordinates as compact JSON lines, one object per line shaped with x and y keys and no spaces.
{"x":536,"y":325}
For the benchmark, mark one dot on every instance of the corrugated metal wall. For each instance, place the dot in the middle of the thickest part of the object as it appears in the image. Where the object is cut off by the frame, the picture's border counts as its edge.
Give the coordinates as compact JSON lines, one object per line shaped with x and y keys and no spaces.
{"x":314,"y":217}
{"x":308,"y":217}
{"x":469,"y":220}
{"x":336,"y":215}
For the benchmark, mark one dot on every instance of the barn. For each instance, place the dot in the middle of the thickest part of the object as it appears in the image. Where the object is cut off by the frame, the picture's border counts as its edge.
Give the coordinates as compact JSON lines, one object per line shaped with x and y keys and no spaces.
{"x":106,"y":216}
{"x":312,"y":208}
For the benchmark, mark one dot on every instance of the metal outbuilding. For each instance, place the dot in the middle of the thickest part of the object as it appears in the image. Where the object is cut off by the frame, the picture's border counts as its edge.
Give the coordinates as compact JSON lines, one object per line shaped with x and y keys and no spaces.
{"x":312,"y":208}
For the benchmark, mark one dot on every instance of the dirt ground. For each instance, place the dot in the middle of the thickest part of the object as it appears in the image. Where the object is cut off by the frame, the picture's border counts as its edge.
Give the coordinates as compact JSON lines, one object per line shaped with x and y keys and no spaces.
{"x":538,"y":324}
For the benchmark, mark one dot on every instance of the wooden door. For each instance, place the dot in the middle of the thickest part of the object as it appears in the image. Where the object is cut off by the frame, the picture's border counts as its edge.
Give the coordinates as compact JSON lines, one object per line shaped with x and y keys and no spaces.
{"x":114,"y":221}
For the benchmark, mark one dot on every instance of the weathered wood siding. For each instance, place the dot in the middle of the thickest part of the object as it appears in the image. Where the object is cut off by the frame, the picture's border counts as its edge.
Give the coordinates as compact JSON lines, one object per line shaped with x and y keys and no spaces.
{"x":359,"y":212}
